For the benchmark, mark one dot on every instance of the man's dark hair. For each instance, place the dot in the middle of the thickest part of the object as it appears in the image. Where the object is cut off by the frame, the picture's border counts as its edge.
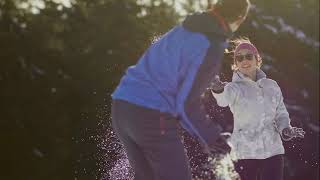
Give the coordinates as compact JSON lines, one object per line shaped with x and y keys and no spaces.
{"x":232,"y":10}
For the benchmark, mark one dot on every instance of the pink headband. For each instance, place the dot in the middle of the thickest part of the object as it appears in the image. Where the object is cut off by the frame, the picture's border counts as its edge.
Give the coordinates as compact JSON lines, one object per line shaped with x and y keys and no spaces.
{"x":248,"y":46}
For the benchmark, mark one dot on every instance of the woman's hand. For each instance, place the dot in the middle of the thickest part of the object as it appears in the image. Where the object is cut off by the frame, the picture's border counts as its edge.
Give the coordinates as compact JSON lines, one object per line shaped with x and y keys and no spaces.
{"x":217,"y":86}
{"x":293,"y":132}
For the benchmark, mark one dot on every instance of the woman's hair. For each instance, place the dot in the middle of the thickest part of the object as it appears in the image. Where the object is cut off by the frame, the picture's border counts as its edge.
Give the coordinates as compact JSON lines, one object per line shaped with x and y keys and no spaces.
{"x":234,"y":43}
{"x":232,"y":10}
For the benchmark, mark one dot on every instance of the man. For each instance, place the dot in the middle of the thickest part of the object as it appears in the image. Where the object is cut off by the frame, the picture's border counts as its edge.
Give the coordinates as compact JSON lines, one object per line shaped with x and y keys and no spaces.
{"x":165,"y":88}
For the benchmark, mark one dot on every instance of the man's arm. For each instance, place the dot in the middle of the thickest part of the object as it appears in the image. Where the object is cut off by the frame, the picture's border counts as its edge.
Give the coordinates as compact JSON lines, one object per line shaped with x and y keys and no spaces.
{"x":194,"y":115}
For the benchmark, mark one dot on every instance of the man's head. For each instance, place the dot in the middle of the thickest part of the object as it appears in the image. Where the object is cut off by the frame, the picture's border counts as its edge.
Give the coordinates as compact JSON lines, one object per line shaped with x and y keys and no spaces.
{"x":234,"y":12}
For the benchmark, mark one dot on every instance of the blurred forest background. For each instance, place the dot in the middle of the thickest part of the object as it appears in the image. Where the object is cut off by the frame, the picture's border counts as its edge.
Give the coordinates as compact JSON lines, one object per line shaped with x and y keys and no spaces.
{"x":60,"y":60}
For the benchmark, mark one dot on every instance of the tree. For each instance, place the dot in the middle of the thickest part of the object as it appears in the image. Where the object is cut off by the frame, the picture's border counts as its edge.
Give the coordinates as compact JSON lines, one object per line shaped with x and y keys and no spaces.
{"x":58,"y":64}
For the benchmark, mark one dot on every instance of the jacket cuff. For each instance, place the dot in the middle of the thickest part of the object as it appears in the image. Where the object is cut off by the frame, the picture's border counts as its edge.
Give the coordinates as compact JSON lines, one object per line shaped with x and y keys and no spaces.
{"x":283,"y":136}
{"x":217,"y":91}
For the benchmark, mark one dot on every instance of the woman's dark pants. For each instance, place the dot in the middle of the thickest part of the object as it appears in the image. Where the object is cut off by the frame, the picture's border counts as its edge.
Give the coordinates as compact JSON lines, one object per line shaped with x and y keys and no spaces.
{"x":261,"y":169}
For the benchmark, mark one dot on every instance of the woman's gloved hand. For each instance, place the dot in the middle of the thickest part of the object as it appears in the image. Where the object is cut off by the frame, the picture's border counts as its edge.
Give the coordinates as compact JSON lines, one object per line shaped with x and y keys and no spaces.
{"x":292,"y":132}
{"x":217,"y":86}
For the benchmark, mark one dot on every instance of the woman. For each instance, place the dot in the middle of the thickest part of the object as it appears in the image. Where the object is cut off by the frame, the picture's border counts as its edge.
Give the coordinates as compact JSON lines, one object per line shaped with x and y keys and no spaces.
{"x":260,"y":116}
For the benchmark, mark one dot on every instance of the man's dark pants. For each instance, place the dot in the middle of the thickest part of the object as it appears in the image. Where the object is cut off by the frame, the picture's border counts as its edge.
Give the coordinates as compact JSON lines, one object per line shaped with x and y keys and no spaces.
{"x":151,"y":141}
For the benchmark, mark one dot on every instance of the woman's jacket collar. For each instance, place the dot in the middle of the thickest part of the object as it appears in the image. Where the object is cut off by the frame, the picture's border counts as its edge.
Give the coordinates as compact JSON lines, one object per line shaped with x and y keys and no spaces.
{"x":238,"y":76}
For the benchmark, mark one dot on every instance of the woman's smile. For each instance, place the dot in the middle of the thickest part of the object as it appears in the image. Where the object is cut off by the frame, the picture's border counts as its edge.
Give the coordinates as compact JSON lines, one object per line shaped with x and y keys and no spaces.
{"x":245,"y":66}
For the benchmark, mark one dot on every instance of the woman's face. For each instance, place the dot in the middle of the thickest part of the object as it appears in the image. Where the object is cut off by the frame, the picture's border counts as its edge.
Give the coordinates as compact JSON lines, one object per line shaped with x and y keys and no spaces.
{"x":246,"y":62}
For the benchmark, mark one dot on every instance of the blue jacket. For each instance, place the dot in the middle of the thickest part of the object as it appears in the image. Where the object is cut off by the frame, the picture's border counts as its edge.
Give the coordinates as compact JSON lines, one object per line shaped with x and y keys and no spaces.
{"x":175,"y":71}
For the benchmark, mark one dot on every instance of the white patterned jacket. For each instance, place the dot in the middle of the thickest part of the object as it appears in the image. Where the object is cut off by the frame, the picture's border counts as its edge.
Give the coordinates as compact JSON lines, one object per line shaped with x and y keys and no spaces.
{"x":259,"y":115}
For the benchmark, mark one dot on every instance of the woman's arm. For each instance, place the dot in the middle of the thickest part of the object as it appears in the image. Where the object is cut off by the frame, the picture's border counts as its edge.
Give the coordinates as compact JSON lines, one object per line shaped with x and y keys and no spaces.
{"x":282,"y":119}
{"x":226,"y":94}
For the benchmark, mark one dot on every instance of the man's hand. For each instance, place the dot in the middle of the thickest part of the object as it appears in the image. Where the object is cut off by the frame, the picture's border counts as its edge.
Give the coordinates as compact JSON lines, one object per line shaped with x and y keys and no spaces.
{"x":221,"y":146}
{"x":294,"y":132}
{"x":217,"y":86}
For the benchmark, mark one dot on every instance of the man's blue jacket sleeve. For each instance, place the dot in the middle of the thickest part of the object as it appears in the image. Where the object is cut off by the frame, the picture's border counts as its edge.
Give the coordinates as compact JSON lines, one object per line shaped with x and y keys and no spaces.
{"x":193,"y":115}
